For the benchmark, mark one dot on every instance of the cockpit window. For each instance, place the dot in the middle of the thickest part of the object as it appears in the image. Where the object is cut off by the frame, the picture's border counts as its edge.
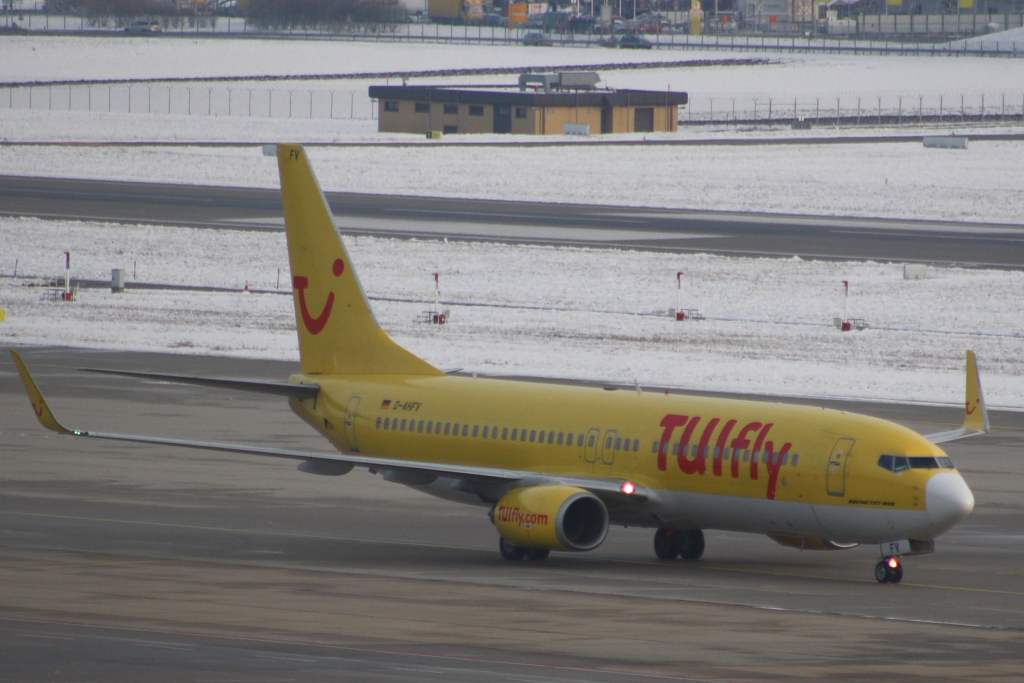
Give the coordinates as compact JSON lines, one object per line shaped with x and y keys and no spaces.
{"x":899,"y":463}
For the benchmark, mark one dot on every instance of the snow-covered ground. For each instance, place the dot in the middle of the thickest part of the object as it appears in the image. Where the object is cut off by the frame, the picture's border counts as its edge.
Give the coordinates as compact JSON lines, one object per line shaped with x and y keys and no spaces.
{"x":549,"y":311}
{"x":536,"y":310}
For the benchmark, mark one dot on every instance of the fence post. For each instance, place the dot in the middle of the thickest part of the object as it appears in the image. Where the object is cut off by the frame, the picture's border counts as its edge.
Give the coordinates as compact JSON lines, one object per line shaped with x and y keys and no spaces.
{"x":899,"y":116}
{"x":352,"y":106}
{"x":920,"y":108}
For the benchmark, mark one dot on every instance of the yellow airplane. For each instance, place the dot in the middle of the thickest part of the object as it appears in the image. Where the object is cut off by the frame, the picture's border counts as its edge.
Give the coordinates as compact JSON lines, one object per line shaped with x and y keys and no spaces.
{"x":556,"y":465}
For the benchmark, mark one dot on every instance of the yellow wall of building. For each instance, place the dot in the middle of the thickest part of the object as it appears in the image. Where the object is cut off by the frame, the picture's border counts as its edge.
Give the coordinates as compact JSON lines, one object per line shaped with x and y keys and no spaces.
{"x":538,"y":120}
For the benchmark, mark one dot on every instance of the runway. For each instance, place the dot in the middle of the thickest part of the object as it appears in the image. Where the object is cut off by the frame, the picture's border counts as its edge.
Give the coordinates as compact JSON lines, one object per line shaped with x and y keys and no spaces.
{"x":128,"y":562}
{"x":601,"y":226}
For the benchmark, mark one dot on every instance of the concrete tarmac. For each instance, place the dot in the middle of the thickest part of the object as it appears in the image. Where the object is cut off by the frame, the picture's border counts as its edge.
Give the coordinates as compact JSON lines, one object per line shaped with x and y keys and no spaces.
{"x":719,"y":232}
{"x":127,"y":562}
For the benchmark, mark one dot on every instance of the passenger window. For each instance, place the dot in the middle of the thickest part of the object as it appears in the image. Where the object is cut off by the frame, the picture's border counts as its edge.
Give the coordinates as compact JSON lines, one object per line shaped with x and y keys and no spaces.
{"x":465,"y":430}
{"x":551,"y":438}
{"x":447,"y":428}
{"x":533,"y":436}
{"x":515,"y":434}
{"x":379,"y":419}
{"x":455,"y":429}
{"x":487,"y":430}
{"x":420,"y":428}
{"x":796,"y":459}
{"x":608,"y":442}
{"x":504,"y":434}
{"x":494,"y":432}
{"x":430,"y":427}
{"x":561,"y":438}
{"x":523,"y":434}
{"x":571,"y":439}
{"x":593,"y":439}
{"x":785,"y":459}
{"x":654,"y":447}
{"x":618,"y":444}
{"x":403,"y":425}
{"x":387,"y":423}
{"x":636,"y":445}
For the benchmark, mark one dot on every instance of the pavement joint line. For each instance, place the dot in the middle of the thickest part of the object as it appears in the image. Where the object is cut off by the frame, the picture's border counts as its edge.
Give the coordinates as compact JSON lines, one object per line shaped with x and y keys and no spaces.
{"x":82,"y":565}
{"x":347,"y":539}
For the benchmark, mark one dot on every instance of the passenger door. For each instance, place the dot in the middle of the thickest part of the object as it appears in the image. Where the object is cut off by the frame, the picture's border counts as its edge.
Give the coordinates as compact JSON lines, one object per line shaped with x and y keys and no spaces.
{"x":835,"y":475}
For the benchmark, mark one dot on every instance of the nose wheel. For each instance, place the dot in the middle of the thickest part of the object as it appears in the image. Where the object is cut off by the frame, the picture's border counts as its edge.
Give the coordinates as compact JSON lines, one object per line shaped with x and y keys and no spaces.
{"x":889,"y":570}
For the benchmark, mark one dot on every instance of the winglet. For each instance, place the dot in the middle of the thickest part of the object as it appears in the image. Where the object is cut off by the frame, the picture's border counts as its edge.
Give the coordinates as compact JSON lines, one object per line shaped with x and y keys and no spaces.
{"x":39,"y":407}
{"x":975,"y":413}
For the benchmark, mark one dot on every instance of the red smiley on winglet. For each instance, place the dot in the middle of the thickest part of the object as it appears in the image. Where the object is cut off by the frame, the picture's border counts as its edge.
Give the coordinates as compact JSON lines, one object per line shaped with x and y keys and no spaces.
{"x":317,"y":324}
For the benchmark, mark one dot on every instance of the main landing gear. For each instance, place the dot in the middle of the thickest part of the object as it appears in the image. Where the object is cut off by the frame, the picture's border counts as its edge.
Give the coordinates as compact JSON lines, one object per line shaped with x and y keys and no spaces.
{"x":670,"y":543}
{"x":514,"y":553}
{"x":889,"y":570}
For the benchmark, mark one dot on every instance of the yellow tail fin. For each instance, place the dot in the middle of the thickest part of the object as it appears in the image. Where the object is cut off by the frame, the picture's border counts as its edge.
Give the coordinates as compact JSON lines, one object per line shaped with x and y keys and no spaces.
{"x":975,"y":415}
{"x":337,"y":331}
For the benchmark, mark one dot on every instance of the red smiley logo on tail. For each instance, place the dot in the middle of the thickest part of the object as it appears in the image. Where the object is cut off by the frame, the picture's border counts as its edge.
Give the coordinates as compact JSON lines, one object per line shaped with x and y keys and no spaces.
{"x":317,"y":324}
{"x":970,"y":408}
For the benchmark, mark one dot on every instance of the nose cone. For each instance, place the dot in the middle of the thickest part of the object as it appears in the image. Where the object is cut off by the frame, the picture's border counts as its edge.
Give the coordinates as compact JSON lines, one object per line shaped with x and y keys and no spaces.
{"x":948,"y":499}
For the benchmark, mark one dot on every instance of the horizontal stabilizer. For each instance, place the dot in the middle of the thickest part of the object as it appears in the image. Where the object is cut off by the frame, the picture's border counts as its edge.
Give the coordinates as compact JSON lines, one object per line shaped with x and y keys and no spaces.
{"x":299,"y":391}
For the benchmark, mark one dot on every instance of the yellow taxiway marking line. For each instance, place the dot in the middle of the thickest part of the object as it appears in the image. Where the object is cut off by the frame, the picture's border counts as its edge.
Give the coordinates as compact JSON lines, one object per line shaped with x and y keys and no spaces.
{"x":465,"y":548}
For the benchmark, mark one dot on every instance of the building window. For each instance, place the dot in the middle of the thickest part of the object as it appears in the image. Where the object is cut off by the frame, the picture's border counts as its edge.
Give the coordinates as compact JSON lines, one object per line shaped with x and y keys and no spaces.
{"x":390,"y":106}
{"x":451,"y":130}
{"x":520,"y":112}
{"x":422,"y":107}
{"x":476,"y":110}
{"x":451,"y":109}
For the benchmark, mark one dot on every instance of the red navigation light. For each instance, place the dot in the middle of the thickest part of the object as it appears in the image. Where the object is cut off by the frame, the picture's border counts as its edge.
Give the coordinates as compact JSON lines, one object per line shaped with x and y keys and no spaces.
{"x":628,"y":488}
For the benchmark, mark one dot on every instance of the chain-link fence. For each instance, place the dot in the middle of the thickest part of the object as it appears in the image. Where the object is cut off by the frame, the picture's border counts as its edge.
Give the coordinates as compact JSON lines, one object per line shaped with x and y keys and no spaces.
{"x":853,"y":110}
{"x":193,"y":100}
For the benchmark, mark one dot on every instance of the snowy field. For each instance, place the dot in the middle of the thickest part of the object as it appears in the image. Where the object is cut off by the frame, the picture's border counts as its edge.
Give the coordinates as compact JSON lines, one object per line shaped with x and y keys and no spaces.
{"x":548,"y":311}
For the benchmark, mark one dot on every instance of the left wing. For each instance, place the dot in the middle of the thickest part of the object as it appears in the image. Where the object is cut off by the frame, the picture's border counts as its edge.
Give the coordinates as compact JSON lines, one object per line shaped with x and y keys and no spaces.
{"x":333,"y":463}
{"x":975,"y":413}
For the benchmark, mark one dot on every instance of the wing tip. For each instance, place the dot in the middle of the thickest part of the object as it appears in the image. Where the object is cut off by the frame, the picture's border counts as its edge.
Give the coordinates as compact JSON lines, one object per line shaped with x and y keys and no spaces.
{"x":39,"y":406}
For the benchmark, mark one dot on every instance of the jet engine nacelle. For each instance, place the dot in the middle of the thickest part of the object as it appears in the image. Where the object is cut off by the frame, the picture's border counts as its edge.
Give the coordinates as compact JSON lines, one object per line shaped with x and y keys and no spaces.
{"x":551,"y":518}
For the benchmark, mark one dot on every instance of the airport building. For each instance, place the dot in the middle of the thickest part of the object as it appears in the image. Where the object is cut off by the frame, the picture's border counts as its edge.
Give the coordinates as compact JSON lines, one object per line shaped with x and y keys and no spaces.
{"x":541,"y":104}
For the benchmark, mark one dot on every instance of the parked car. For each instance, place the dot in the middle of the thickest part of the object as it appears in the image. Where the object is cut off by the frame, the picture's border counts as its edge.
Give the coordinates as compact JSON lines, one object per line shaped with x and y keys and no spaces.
{"x":537,"y":39}
{"x":634,"y":42}
{"x":144,"y":26}
{"x":609,"y":41}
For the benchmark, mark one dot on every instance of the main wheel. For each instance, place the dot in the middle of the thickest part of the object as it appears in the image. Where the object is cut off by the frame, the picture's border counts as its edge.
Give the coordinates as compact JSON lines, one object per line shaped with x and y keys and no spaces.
{"x":537,"y":554}
{"x":897,"y":574}
{"x":692,"y":546}
{"x":882,"y":572}
{"x":667,"y":543}
{"x":512,"y":553}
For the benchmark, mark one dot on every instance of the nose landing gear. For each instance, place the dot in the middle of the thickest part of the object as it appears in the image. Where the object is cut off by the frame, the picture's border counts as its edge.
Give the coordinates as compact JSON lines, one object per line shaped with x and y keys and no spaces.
{"x":889,"y":570}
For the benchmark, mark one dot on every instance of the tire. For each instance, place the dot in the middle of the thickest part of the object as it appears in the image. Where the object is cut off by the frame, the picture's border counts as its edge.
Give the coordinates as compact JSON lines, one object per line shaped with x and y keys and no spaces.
{"x":537,"y":554}
{"x":882,"y":572}
{"x":510,"y":552}
{"x":897,"y":574}
{"x":693,"y":545}
{"x":667,"y":543}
